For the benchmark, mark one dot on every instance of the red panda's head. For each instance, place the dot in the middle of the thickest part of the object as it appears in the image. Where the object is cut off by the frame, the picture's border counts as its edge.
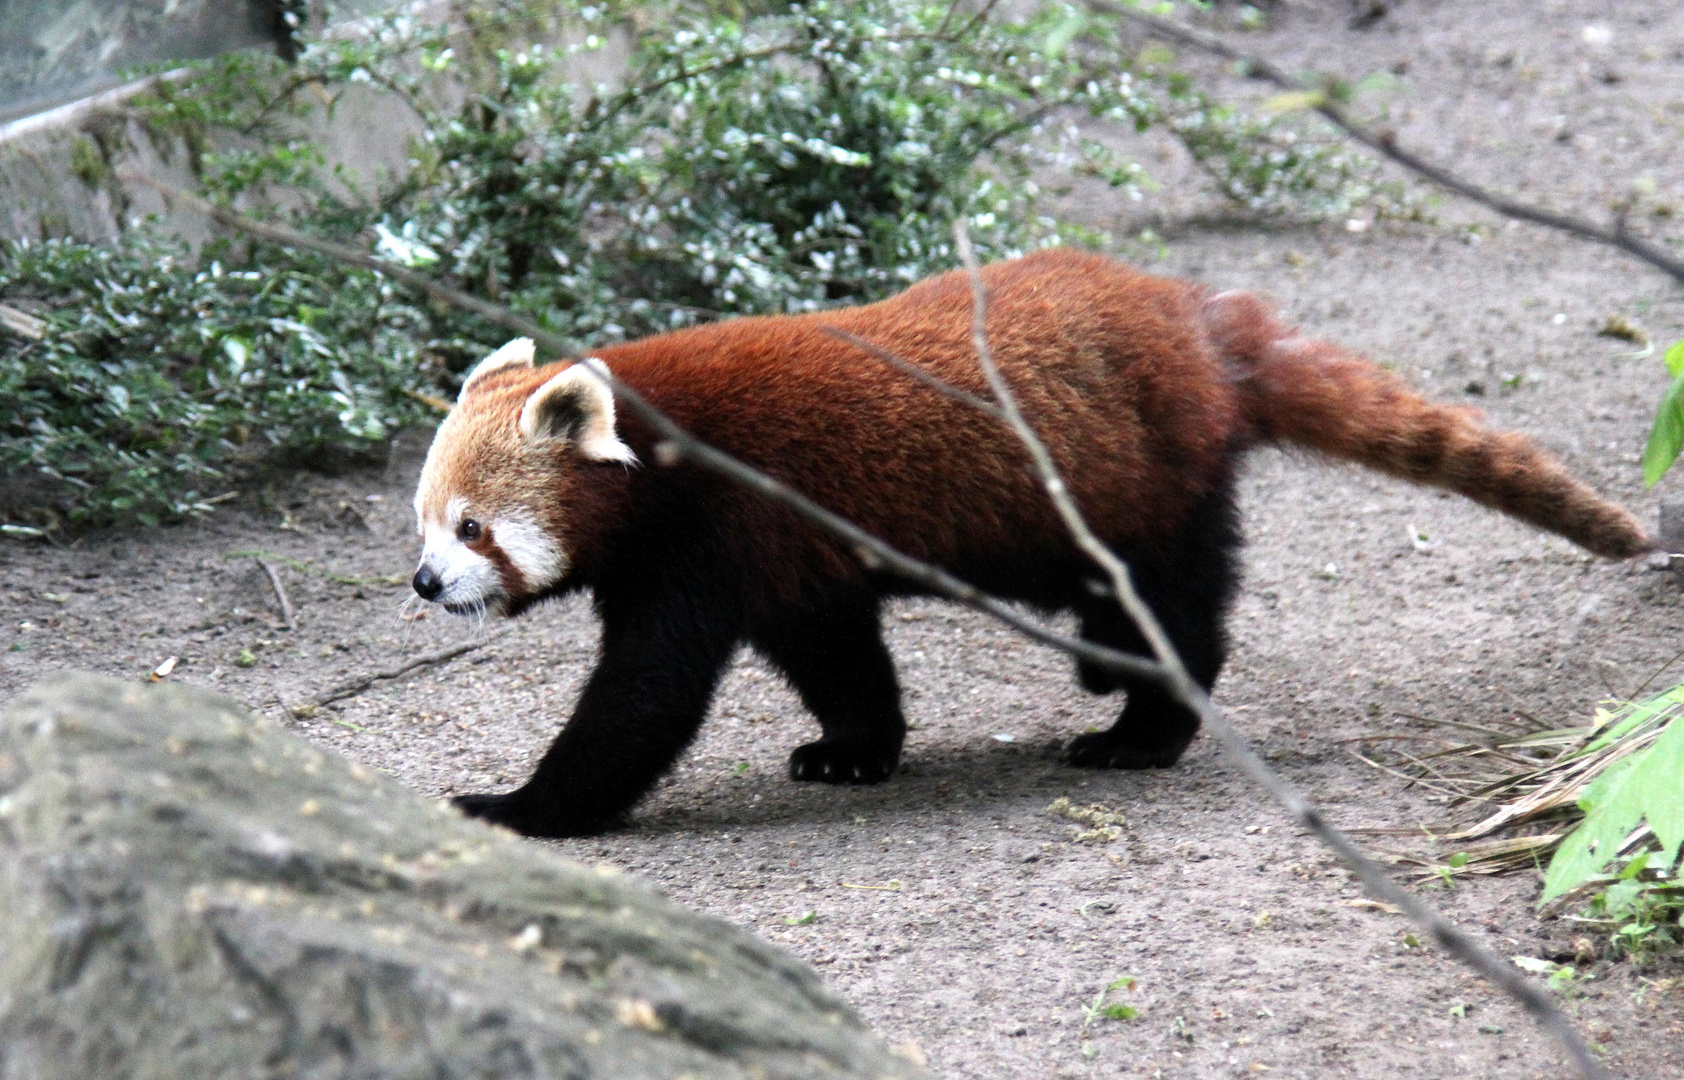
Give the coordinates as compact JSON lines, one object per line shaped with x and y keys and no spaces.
{"x":492,"y":494}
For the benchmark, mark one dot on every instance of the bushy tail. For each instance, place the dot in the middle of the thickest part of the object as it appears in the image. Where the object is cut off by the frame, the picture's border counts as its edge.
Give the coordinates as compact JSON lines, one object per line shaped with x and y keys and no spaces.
{"x":1317,"y":395}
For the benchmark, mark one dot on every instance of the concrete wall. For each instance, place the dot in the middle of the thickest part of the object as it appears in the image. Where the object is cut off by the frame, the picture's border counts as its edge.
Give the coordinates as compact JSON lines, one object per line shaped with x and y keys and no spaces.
{"x":61,"y":172}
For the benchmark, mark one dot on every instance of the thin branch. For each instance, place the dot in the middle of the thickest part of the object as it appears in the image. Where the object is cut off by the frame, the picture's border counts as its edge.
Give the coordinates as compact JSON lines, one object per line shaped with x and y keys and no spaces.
{"x":906,"y":367}
{"x":280,"y":593}
{"x":1375,"y":879}
{"x":357,"y":686}
{"x":22,"y":323}
{"x":678,"y":445}
{"x":280,"y":234}
{"x":598,"y":113}
{"x":1385,"y":141}
{"x":976,"y":20}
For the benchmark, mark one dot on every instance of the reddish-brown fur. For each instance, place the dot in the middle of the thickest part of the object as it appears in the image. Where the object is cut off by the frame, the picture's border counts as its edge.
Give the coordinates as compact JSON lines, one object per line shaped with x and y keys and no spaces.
{"x":1141,"y":386}
{"x":1146,"y":390}
{"x":1317,"y":395}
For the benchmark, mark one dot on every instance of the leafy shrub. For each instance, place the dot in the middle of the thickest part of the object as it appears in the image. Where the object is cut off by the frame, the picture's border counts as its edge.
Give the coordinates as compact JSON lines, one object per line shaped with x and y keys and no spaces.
{"x":157,"y":372}
{"x":768,"y":161}
{"x":1627,"y":848}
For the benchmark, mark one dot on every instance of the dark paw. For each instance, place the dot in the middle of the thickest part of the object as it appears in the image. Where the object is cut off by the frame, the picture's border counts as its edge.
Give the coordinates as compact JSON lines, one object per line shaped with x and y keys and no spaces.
{"x":842,"y":763}
{"x":513,"y":812}
{"x":1103,"y":750}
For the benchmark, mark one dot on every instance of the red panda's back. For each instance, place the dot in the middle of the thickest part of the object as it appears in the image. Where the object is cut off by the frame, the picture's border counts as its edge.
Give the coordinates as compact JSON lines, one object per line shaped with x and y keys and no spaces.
{"x":1111,"y":367}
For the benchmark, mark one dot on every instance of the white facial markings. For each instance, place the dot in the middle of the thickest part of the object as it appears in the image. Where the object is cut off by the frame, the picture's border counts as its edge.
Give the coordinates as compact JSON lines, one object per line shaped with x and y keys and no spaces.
{"x":518,"y":557}
{"x":469,"y":579}
{"x":540,"y":560}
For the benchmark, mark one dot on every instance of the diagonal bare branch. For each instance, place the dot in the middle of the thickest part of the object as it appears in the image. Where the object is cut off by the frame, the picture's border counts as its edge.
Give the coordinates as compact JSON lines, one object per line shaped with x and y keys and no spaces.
{"x":1385,"y":141}
{"x":907,"y":367}
{"x":1375,"y":879}
{"x":678,"y":445}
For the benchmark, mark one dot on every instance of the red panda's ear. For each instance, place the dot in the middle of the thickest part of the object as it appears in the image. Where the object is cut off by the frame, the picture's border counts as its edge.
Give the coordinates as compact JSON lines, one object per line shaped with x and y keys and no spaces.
{"x":517,"y":353}
{"x":576,"y":407}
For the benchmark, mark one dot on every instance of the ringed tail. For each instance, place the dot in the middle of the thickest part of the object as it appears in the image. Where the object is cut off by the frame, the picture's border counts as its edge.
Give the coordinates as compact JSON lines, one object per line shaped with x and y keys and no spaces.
{"x":1318,"y":395}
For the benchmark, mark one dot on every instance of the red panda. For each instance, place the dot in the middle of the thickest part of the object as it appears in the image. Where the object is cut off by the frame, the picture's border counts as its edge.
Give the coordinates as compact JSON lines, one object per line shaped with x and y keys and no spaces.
{"x":1148,"y":391}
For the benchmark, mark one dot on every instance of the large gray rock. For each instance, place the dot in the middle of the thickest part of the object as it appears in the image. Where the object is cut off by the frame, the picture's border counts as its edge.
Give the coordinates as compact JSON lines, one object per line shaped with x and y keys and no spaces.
{"x":187,"y":891}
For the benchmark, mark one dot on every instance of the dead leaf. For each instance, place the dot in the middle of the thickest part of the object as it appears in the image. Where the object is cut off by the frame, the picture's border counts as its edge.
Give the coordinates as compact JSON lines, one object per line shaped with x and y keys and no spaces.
{"x":1373,"y":905}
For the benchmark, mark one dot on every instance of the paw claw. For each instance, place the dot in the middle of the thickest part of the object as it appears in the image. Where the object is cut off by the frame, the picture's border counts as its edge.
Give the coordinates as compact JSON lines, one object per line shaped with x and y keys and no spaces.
{"x":841,"y":763}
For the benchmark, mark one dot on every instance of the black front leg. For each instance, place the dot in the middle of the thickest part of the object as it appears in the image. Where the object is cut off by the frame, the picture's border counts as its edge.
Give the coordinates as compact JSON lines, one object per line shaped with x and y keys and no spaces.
{"x":662,"y":654}
{"x":835,"y":658}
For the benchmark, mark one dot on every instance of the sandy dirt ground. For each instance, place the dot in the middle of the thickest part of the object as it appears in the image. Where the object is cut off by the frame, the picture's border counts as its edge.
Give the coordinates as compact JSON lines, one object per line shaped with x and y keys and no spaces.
{"x":949,"y":905}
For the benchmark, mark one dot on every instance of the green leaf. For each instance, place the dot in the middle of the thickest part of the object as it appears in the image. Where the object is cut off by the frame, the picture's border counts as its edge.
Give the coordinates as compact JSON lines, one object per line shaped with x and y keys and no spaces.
{"x":1674,"y":359}
{"x":1666,"y":438}
{"x":1295,"y":100}
{"x":1637,"y":717}
{"x":1636,"y":866}
{"x":1064,"y":33}
{"x":1644,"y":787}
{"x":238,"y":352}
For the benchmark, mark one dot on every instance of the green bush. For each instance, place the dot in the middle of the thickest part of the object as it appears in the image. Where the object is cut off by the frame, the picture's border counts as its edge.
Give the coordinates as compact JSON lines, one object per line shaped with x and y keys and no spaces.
{"x":160,"y":372}
{"x":766,"y":161}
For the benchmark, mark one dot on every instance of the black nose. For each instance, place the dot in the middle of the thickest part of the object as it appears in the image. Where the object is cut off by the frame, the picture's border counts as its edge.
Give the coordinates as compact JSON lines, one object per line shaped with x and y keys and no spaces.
{"x":427,"y":584}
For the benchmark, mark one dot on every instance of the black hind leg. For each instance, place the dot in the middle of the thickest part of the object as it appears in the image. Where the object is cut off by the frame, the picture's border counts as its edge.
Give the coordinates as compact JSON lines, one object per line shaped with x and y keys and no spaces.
{"x":1189,"y":591}
{"x":835,"y":659}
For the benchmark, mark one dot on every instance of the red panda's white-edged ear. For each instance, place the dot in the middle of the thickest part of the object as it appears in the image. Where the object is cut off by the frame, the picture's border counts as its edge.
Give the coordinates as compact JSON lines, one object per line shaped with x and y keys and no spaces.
{"x":517,"y":353}
{"x":576,"y":407}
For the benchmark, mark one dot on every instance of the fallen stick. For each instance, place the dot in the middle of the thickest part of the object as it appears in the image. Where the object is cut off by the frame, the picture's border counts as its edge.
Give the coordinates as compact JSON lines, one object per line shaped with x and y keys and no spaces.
{"x":305,"y":568}
{"x":1320,"y":97}
{"x":280,"y":594}
{"x":352,"y":689}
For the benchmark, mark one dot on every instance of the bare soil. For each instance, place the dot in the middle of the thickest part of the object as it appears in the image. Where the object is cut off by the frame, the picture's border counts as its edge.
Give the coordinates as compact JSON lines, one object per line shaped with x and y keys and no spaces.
{"x":949,"y":905}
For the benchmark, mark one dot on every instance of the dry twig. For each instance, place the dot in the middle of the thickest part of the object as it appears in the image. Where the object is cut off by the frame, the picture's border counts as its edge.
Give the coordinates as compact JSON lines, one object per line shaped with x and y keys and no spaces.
{"x":678,"y":445}
{"x":1321,"y":99}
{"x":1378,"y":883}
{"x":907,"y":367}
{"x":357,"y":686}
{"x":280,"y":594}
{"x":22,"y":323}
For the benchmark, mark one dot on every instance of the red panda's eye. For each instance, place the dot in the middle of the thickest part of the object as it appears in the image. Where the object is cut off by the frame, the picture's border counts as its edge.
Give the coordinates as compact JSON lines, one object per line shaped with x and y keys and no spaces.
{"x":468,"y":530}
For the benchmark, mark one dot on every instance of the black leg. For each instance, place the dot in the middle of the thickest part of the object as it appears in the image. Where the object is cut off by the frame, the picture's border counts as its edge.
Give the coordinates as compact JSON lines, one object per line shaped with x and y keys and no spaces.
{"x":663,"y":651}
{"x":836,"y":661}
{"x":1104,"y":623}
{"x":1189,"y":591}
